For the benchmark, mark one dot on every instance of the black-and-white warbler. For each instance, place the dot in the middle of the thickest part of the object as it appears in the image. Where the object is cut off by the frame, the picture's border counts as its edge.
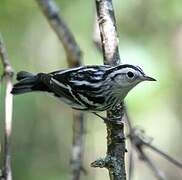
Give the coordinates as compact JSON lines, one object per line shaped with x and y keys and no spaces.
{"x":87,"y":88}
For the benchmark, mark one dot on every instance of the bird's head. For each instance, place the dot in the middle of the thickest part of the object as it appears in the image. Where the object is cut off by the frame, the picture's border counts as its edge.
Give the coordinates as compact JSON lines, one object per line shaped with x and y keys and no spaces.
{"x":125,"y":77}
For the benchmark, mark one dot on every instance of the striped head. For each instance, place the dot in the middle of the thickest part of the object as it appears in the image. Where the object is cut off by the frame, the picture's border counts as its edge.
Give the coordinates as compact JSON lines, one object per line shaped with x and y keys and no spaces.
{"x":125,"y":77}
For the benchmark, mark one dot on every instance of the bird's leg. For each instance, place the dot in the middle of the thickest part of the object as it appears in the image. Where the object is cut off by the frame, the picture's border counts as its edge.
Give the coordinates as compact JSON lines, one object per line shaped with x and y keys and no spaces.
{"x":103,"y":118}
{"x":115,"y":119}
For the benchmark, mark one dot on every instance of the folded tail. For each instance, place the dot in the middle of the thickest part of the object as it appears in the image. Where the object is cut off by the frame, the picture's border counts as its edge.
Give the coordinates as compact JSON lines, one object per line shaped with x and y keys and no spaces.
{"x":29,"y":82}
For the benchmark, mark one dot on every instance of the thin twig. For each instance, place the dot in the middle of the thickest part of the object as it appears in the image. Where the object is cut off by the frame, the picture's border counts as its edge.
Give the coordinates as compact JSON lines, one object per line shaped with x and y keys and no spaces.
{"x":8,"y":75}
{"x":131,"y":163}
{"x":78,"y":146}
{"x":166,"y":156}
{"x":157,"y":172}
{"x":131,"y":159}
{"x":137,"y":140}
{"x":74,"y":57}
{"x":140,"y":140}
{"x":115,"y":158}
{"x":51,"y":12}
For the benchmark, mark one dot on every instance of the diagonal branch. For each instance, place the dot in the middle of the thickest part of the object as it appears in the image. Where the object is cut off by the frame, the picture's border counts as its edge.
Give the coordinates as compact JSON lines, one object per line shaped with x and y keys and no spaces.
{"x":115,"y":158}
{"x":137,"y":139}
{"x":51,"y":12}
{"x":74,"y":57}
{"x":157,"y":172}
{"x":140,"y":140}
{"x":8,"y":75}
{"x":166,"y":156}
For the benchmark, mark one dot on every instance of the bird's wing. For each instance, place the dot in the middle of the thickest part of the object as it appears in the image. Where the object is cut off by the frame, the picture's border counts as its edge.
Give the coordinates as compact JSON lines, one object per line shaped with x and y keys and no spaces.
{"x":82,"y":84}
{"x":81,"y":78}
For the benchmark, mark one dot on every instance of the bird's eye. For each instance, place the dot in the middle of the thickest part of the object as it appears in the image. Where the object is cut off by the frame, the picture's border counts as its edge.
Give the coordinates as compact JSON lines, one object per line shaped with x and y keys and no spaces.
{"x":130,"y":74}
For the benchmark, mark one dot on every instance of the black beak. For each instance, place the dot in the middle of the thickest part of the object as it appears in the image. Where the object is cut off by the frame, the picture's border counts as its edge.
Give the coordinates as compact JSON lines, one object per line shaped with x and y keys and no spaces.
{"x":147,"y":78}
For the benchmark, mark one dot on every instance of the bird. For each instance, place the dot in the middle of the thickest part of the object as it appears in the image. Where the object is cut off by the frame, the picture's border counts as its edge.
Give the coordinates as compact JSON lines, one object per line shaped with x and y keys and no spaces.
{"x":93,"y":88}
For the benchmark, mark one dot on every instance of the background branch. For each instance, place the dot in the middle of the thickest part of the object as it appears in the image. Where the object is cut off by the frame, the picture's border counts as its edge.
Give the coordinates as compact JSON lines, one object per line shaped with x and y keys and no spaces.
{"x":139,"y":141}
{"x":131,"y":162}
{"x":115,"y":158}
{"x":157,"y":172}
{"x":51,"y":12}
{"x":8,"y":75}
{"x":174,"y":161}
{"x":74,"y":56}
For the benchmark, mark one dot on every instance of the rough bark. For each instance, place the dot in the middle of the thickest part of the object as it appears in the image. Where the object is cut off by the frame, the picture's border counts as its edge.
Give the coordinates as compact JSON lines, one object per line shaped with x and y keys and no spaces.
{"x":115,"y":158}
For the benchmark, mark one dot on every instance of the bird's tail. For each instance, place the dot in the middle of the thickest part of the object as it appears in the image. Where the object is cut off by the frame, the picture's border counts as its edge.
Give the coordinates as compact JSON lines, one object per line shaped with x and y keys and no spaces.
{"x":28,"y":82}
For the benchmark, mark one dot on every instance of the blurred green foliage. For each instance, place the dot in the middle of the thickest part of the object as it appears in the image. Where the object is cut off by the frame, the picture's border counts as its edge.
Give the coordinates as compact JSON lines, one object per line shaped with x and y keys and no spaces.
{"x":150,"y":36}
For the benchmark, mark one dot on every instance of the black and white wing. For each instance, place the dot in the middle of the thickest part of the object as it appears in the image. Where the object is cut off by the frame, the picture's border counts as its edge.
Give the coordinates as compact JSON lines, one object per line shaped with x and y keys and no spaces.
{"x":80,"y":87}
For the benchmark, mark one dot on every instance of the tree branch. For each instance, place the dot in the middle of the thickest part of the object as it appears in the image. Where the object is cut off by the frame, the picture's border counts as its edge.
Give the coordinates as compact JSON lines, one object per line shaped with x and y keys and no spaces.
{"x":74,"y":57}
{"x":108,"y":33}
{"x":166,"y":156}
{"x":131,"y":163}
{"x":51,"y":12}
{"x":157,"y":172}
{"x":115,"y":158}
{"x":137,"y":134}
{"x":139,"y":141}
{"x":8,"y":75}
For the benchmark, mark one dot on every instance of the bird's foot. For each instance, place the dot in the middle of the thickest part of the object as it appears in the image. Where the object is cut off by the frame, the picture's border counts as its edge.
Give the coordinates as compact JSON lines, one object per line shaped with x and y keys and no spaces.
{"x":111,"y":120}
